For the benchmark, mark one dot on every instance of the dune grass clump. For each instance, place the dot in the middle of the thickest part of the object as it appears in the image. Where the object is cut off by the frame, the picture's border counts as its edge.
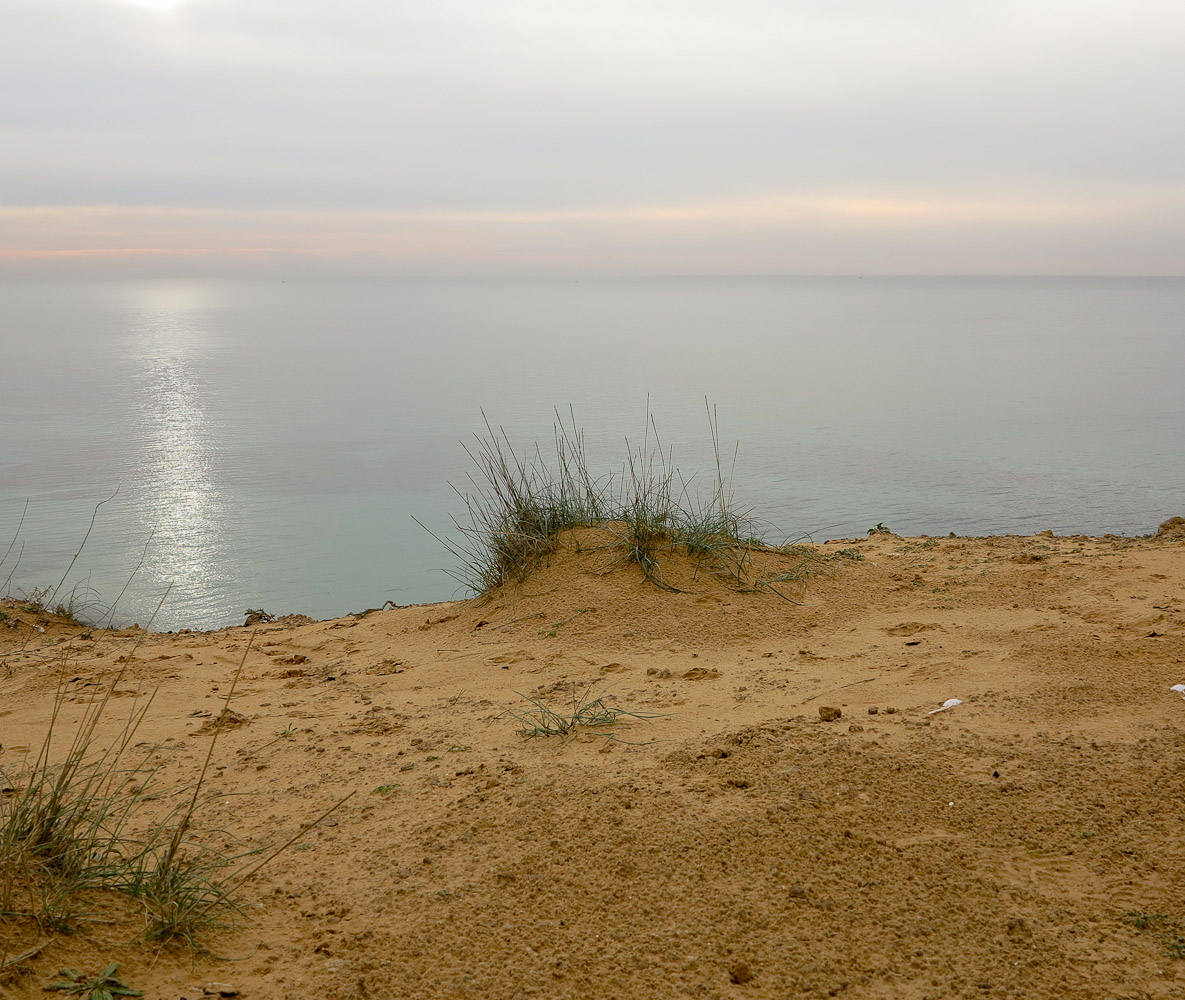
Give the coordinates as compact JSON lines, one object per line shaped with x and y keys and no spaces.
{"x":518,"y":509}
{"x":80,"y":825}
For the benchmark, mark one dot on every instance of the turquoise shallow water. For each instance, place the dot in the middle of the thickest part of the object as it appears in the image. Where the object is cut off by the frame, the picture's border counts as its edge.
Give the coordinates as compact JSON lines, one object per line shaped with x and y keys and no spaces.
{"x":271,"y":441}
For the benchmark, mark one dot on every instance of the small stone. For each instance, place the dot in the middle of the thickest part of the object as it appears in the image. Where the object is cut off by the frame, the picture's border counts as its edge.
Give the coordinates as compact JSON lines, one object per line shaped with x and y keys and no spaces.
{"x":219,"y":990}
{"x":872,"y":710}
{"x":740,"y":973}
{"x":797,"y":892}
{"x":890,"y":711}
{"x":829,"y":713}
{"x":855,"y":727}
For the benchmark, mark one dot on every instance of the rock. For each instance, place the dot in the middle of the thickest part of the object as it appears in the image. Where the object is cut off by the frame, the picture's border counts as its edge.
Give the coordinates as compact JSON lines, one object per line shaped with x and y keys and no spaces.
{"x":740,"y":973}
{"x":872,"y":710}
{"x":219,"y":990}
{"x":855,"y":727}
{"x":829,"y":713}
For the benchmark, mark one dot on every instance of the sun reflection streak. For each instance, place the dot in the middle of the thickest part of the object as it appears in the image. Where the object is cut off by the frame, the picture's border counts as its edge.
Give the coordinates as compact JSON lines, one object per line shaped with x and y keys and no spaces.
{"x":181,"y":497}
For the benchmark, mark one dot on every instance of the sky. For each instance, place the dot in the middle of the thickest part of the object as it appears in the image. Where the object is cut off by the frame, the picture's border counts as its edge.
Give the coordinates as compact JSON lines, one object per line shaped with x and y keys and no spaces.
{"x":277,"y":137}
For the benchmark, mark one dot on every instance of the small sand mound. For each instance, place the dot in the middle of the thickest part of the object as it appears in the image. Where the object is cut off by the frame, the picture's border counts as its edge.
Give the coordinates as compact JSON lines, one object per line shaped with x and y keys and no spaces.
{"x":1174,"y":527}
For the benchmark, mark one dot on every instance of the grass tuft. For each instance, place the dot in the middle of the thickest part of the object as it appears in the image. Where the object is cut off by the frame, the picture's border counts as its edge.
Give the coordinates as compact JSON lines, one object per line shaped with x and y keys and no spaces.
{"x":587,"y":715}
{"x":79,"y":824}
{"x":81,"y":820}
{"x":518,"y":509}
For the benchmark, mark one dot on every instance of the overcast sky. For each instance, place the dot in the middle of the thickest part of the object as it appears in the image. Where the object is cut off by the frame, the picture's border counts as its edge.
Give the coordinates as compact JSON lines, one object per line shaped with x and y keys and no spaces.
{"x":601,"y":136}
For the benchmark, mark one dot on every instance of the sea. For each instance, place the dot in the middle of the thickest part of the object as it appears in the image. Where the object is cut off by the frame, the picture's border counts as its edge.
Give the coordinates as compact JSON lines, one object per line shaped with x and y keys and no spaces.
{"x":178,"y":451}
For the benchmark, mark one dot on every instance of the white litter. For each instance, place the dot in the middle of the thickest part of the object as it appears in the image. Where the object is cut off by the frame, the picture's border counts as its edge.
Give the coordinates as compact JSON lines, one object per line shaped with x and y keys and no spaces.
{"x":1179,"y":688}
{"x":951,"y":703}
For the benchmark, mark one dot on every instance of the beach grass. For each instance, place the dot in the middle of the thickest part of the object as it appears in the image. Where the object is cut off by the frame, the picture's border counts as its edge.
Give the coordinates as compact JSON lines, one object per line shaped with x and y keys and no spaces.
{"x":82,"y":821}
{"x":519,"y":508}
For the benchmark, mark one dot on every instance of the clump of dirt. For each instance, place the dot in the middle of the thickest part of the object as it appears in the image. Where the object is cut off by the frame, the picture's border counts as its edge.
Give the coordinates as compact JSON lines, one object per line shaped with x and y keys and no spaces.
{"x":1174,"y":527}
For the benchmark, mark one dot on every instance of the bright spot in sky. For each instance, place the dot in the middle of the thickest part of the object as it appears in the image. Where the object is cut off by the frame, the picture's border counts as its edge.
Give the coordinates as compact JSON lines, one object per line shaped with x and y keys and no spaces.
{"x":157,"y":4}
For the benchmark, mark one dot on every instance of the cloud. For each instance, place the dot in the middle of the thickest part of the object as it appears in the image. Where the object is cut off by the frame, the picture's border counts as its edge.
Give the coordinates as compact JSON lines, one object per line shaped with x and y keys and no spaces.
{"x":562,"y":113}
{"x":831,"y":233}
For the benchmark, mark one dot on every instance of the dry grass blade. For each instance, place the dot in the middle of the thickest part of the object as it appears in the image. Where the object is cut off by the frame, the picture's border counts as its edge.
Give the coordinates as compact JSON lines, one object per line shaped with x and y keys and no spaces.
{"x":90,"y":528}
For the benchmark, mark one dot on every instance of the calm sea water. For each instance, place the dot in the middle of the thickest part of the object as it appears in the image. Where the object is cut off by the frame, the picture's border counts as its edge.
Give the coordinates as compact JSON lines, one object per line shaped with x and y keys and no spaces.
{"x":270,"y":442}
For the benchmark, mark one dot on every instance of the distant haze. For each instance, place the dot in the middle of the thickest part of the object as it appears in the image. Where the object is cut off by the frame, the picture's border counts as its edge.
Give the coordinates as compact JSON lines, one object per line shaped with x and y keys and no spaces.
{"x":296,"y":137}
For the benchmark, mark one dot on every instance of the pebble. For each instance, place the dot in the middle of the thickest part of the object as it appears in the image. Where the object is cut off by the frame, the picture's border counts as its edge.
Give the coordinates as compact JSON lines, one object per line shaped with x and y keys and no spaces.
{"x":829,"y":713}
{"x":740,"y":973}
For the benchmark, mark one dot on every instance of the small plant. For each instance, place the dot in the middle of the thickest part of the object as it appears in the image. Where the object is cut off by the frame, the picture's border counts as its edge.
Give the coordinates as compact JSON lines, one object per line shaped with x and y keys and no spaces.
{"x":256,"y":616}
{"x":518,"y":510}
{"x":880,"y":529}
{"x":554,"y":629}
{"x":74,"y":825}
{"x":104,"y":986}
{"x":810,"y":561}
{"x":588,"y":714}
{"x":384,"y":789}
{"x":1164,"y":929}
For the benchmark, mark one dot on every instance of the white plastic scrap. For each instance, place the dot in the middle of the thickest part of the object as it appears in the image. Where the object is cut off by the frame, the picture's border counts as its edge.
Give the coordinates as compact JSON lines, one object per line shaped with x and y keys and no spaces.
{"x":1179,"y":688}
{"x":949,"y":703}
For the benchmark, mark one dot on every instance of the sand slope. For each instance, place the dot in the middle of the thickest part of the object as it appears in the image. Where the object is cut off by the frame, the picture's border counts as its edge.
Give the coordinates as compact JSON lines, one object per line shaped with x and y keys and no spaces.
{"x":737,"y":846}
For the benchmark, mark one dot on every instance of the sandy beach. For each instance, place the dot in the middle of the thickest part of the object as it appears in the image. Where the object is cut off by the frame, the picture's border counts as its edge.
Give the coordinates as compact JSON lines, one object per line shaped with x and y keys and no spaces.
{"x":780,"y":811}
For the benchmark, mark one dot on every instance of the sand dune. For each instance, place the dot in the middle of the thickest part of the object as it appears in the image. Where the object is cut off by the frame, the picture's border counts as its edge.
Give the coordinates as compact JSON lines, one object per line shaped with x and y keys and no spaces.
{"x":735,"y":844}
